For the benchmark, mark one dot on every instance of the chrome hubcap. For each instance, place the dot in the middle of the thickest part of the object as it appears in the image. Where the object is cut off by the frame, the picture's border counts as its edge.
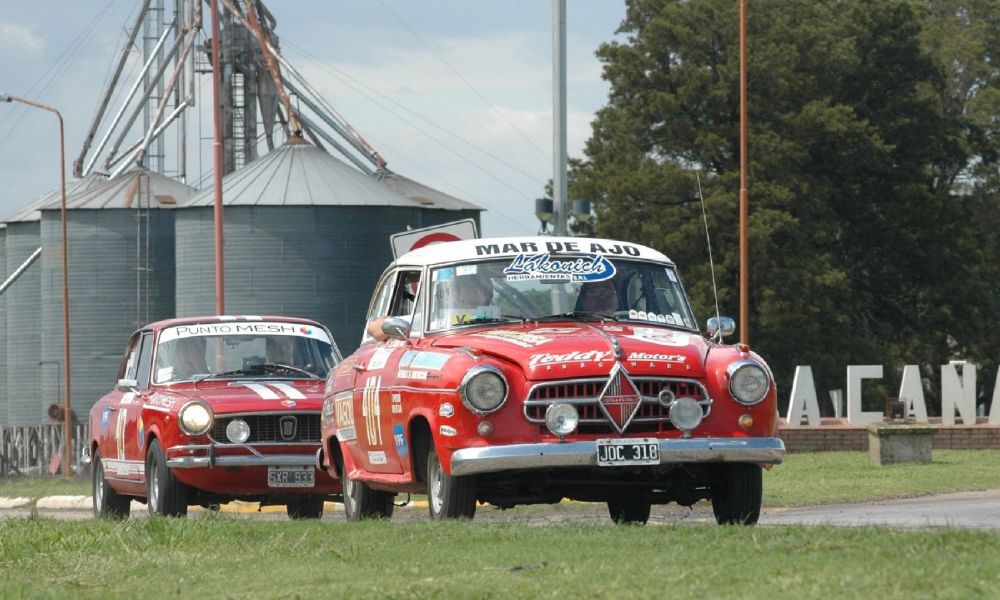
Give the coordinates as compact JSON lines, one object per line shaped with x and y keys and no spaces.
{"x":154,"y":488}
{"x":434,"y":475}
{"x":99,"y":485}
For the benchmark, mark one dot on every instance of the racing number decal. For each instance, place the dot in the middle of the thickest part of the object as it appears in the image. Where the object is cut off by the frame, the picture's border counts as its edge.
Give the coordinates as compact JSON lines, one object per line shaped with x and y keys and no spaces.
{"x":120,"y":433}
{"x":370,"y":411}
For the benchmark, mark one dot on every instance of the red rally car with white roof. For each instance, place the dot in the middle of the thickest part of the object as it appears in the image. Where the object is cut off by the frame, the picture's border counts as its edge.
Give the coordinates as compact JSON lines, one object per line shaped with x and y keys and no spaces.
{"x":212,"y":409}
{"x":528,"y":370}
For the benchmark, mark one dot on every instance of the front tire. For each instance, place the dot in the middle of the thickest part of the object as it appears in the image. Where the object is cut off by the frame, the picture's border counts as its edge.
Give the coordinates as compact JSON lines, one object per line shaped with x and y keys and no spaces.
{"x":305,"y":507}
{"x":736,"y":494}
{"x":165,"y":495}
{"x":108,"y":504}
{"x":448,"y":496}
{"x":629,"y":511}
{"x":362,"y":502}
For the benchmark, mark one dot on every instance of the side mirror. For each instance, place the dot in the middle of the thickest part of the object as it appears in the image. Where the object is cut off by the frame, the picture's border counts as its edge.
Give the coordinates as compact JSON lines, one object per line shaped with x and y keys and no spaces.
{"x":720,"y":326}
{"x":128,"y":383}
{"x":396,"y":328}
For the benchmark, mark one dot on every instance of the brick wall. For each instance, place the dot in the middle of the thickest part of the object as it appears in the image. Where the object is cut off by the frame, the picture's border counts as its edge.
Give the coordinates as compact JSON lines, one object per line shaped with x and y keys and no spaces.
{"x":836,"y":434}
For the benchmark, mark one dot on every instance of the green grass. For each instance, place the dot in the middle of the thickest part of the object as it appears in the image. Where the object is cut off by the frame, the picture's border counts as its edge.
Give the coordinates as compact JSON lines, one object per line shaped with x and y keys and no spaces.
{"x":37,"y":486}
{"x":834,"y":477}
{"x":227,"y":557}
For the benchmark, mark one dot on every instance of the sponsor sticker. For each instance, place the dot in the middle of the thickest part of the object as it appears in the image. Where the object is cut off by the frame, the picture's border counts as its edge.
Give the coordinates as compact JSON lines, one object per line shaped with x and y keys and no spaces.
{"x":400,"y":438}
{"x":652,"y":357}
{"x":104,"y":416}
{"x":465,"y":270}
{"x":447,"y":431}
{"x":347,"y":434}
{"x":569,"y":357}
{"x":344,"y":411}
{"x":560,"y":267}
{"x":379,"y":358}
{"x":518,"y":338}
{"x":412,"y":374}
{"x":242,"y":328}
{"x":140,"y":434}
{"x":662,"y":337}
{"x":443,"y":274}
{"x":376,"y":457}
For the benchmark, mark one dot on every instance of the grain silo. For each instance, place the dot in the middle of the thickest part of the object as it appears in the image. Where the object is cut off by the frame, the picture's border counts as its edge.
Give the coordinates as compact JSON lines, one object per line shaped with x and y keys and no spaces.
{"x":305,"y":235}
{"x":23,"y":307}
{"x":121,"y":276}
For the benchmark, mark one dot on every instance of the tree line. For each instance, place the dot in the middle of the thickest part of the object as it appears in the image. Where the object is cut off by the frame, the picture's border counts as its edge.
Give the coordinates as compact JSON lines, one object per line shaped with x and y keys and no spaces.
{"x":874,"y":142}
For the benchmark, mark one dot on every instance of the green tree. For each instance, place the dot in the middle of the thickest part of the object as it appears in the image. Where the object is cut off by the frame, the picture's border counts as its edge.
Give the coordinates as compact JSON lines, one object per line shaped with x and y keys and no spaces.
{"x":860,"y":249}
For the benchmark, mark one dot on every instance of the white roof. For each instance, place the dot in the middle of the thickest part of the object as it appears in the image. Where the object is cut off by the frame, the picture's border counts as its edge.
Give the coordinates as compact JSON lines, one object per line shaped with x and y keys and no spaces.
{"x":512,"y":246}
{"x":136,"y":187}
{"x":32,"y":210}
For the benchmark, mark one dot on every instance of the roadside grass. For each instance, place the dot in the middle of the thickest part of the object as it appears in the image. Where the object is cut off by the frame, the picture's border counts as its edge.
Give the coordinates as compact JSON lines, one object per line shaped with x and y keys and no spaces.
{"x":839,"y":477}
{"x":217,"y":555}
{"x":38,"y":486}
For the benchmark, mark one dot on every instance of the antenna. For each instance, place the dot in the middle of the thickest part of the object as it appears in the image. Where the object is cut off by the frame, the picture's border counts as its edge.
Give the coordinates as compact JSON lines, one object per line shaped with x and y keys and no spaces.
{"x":711,"y":263}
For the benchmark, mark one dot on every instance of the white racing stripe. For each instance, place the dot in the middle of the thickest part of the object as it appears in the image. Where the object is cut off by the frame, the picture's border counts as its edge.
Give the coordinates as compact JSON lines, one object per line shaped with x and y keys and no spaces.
{"x":289,"y":391}
{"x":263,"y":391}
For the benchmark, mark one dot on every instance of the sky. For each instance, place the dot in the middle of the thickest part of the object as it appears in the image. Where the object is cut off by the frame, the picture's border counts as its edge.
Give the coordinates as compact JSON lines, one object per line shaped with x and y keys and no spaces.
{"x":456,"y":94}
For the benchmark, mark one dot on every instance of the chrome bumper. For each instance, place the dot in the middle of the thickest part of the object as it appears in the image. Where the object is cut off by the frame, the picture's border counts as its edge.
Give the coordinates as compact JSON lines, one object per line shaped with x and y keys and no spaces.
{"x":490,"y":459}
{"x":210,"y":459}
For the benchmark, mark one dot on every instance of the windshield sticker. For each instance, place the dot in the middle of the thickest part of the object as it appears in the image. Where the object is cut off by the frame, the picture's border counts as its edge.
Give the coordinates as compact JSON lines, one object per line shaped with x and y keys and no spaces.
{"x":443,"y":274}
{"x":646,"y":356}
{"x":379,"y":358}
{"x":519,"y":338}
{"x":553,"y":246}
{"x":671,"y":276}
{"x":560,"y":267}
{"x":466,"y":316}
{"x":465,"y":270}
{"x":662,"y":337}
{"x":264,"y":328}
{"x":164,"y":373}
{"x":569,"y":357}
{"x":424,"y":360}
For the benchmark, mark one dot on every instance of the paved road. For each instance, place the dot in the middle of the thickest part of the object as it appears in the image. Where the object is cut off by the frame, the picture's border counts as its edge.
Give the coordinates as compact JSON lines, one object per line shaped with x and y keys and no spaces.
{"x":975,"y":510}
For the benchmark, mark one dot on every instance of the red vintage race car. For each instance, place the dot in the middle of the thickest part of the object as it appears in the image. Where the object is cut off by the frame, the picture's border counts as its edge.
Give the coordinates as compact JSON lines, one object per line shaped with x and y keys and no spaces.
{"x":212,"y":409}
{"x":528,"y":370}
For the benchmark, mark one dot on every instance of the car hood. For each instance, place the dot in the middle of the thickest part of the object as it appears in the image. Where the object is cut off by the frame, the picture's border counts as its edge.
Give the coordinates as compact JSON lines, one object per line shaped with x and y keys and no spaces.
{"x":557,"y":350}
{"x":250,"y":395}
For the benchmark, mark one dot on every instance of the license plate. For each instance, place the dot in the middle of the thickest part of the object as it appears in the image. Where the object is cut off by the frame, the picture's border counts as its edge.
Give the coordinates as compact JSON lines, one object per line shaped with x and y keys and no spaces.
{"x":625,"y":452}
{"x":291,"y":477}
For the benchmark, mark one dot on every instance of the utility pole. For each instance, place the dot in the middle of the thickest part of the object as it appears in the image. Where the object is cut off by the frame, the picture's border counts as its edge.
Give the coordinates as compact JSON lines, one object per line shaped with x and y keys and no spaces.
{"x":559,"y":194}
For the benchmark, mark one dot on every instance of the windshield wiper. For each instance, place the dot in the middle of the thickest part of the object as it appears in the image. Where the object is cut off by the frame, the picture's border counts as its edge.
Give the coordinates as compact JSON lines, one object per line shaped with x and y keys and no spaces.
{"x":275,"y":367}
{"x":497,"y":319}
{"x":579,"y":315}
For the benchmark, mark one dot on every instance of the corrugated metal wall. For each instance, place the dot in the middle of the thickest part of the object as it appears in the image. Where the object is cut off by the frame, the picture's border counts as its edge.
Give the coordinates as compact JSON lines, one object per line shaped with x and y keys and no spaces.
{"x":4,"y":273}
{"x":121,"y":265}
{"x":23,"y":324}
{"x":318,"y":262}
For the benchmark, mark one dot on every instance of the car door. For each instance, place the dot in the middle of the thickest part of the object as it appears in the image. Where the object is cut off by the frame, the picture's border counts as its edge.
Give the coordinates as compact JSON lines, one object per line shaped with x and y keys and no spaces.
{"x":111,"y":422}
{"x":126,"y":456}
{"x":377,"y":402}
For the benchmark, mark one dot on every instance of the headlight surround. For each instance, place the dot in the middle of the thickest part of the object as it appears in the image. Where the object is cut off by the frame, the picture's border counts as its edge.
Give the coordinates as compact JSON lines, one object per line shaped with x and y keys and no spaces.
{"x":238,"y":431}
{"x":748,"y":381}
{"x":483,"y":389}
{"x":195,"y":418}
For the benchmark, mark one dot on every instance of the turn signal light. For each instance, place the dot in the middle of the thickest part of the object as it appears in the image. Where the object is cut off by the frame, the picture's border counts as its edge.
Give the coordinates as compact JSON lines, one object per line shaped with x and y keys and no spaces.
{"x":746,"y":422}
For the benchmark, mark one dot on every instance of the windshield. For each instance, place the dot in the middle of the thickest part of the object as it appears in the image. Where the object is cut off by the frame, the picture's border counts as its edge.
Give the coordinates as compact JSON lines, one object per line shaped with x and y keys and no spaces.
{"x":242,"y":350}
{"x":549,"y":286}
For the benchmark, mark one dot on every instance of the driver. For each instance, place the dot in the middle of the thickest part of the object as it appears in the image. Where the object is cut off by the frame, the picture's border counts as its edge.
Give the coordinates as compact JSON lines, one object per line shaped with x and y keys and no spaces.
{"x":470,"y":299}
{"x":598,"y":297}
{"x":281,"y":350}
{"x":190,"y":358}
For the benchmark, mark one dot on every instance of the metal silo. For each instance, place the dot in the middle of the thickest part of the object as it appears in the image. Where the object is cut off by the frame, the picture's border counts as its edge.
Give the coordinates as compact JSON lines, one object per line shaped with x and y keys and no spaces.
{"x":305,"y":235}
{"x":3,"y":326}
{"x":23,"y":307}
{"x":121,"y":276}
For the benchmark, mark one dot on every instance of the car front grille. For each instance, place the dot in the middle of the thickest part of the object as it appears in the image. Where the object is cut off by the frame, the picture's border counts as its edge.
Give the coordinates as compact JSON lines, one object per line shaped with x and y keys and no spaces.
{"x":584,"y":394}
{"x":266,"y":428}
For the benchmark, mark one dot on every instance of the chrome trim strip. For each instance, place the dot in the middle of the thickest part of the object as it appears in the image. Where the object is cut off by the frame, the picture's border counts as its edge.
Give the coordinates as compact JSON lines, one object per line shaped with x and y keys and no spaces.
{"x":425,"y":390}
{"x":267,"y":413}
{"x":272,"y":460}
{"x":490,"y":459}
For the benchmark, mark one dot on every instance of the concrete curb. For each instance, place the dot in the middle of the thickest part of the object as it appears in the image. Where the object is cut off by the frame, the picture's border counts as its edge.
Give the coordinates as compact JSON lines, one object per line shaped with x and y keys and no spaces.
{"x":14,"y":502}
{"x":86,"y":503}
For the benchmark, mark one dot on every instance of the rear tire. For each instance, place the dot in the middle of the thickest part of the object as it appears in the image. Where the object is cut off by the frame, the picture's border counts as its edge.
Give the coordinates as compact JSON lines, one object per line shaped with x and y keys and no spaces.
{"x":736,"y":494}
{"x":108,"y":504}
{"x":448,"y":496}
{"x":305,"y":507}
{"x":362,"y":502}
{"x":166,"y":496}
{"x":629,"y":511}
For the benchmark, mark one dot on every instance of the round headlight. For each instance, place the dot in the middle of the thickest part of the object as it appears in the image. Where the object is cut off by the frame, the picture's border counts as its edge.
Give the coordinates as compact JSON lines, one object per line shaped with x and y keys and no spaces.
{"x":238,"y":431}
{"x":195,"y":418}
{"x":748,"y":381}
{"x":686,"y":414}
{"x":561,"y":418}
{"x":483,"y":389}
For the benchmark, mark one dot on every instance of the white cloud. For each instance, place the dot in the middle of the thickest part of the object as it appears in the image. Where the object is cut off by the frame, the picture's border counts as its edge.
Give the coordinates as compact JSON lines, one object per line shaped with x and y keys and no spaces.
{"x":18,"y":37}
